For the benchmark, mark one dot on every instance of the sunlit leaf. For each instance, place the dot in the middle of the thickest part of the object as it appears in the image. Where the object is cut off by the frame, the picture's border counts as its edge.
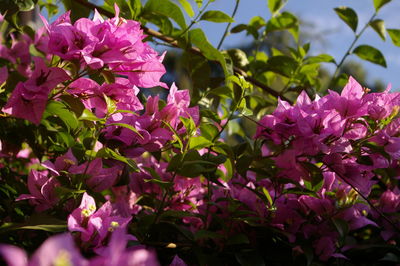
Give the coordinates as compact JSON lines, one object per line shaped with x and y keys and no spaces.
{"x":395,"y":36}
{"x":199,"y":39}
{"x":319,"y":59}
{"x":216,"y":16}
{"x":166,"y":8}
{"x":283,"y":65}
{"x":379,"y":26}
{"x":379,"y":3}
{"x":187,"y":6}
{"x":371,"y":54}
{"x":348,"y":15}
{"x":275,"y":5}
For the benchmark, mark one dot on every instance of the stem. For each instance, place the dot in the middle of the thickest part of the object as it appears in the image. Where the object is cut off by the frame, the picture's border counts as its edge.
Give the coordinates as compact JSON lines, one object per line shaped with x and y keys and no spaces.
{"x":366,"y":199}
{"x":357,"y":36}
{"x":195,"y":20}
{"x":229,"y":25}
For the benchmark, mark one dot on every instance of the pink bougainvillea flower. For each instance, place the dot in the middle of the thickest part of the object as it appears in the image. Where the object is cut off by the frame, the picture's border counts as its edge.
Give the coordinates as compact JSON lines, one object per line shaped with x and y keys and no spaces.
{"x":116,"y":253}
{"x":42,"y":190}
{"x":95,"y":226}
{"x":349,"y":103}
{"x":18,"y":53}
{"x":92,"y":95}
{"x":13,"y":256}
{"x":56,"y":250}
{"x":100,"y":178}
{"x":29,"y":98}
{"x":146,"y":71}
{"x":389,"y":201}
{"x":78,"y":219}
{"x":153,"y":125}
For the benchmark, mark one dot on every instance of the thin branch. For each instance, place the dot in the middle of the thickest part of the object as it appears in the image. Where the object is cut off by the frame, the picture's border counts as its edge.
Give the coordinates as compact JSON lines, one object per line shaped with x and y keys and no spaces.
{"x":357,"y":36}
{"x":194,"y":50}
{"x":381,"y":214}
{"x":229,"y":25}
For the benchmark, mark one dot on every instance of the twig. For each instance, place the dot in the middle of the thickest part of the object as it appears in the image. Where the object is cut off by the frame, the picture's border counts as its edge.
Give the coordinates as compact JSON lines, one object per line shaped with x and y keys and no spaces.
{"x":365,"y":198}
{"x":338,"y":66}
{"x":229,"y":25}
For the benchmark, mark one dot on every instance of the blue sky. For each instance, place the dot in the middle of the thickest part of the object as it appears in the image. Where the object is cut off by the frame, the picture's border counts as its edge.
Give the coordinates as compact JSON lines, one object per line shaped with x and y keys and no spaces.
{"x":337,"y":34}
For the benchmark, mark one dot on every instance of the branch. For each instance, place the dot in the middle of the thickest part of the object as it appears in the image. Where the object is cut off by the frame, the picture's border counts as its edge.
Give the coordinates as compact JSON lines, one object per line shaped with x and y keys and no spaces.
{"x":194,"y":50}
{"x":381,"y":214}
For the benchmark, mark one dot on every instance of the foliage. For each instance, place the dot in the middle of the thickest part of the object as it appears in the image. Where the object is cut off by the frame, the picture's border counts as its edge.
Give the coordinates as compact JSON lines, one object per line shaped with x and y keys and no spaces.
{"x":96,"y":168}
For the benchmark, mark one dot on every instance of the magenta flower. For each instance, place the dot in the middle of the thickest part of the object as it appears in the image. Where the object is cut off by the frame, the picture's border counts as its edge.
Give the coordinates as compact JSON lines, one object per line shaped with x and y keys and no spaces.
{"x":29,"y":98}
{"x":79,"y":218}
{"x":116,"y":253}
{"x":389,"y":201}
{"x":95,"y":226}
{"x":56,"y":250}
{"x":92,"y":95}
{"x":42,"y":191}
{"x":99,"y":178}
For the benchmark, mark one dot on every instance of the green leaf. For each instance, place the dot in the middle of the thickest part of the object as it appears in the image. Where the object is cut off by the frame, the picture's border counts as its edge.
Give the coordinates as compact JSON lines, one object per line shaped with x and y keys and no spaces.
{"x":111,"y":105}
{"x":216,"y":16}
{"x":187,"y":6}
{"x":125,"y":126}
{"x":38,"y":222}
{"x":395,"y":36}
{"x":316,"y":176}
{"x":199,"y":3}
{"x":74,"y":103}
{"x":348,"y":15}
{"x":284,"y":21}
{"x":199,"y":142}
{"x":108,"y":76}
{"x":166,"y":8}
{"x":25,"y":5}
{"x":249,"y":257}
{"x":89,"y":116}
{"x":77,"y":10}
{"x":268,"y":196}
{"x":210,"y":114}
{"x":379,"y":26}
{"x":205,"y":234}
{"x":342,"y":227}
{"x":163,"y":184}
{"x":275,"y":5}
{"x":379,"y":3}
{"x":209,"y":131}
{"x":60,"y":110}
{"x":371,"y":54}
{"x":189,"y":124}
{"x":175,"y":163}
{"x":239,"y":28}
{"x":109,"y":153}
{"x":282,"y":65}
{"x":135,"y":7}
{"x":199,"y":39}
{"x":238,"y":239}
{"x":319,"y":59}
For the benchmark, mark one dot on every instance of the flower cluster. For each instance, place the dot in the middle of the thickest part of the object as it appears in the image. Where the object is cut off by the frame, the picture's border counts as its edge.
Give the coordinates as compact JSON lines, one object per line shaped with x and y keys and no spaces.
{"x":335,"y":147}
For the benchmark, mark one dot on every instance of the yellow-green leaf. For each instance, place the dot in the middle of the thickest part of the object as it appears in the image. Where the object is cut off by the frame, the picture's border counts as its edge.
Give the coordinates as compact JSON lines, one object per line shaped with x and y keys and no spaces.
{"x":348,"y":15}
{"x":379,"y":26}
{"x":395,"y":36}
{"x":216,"y":16}
{"x":371,"y":54}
